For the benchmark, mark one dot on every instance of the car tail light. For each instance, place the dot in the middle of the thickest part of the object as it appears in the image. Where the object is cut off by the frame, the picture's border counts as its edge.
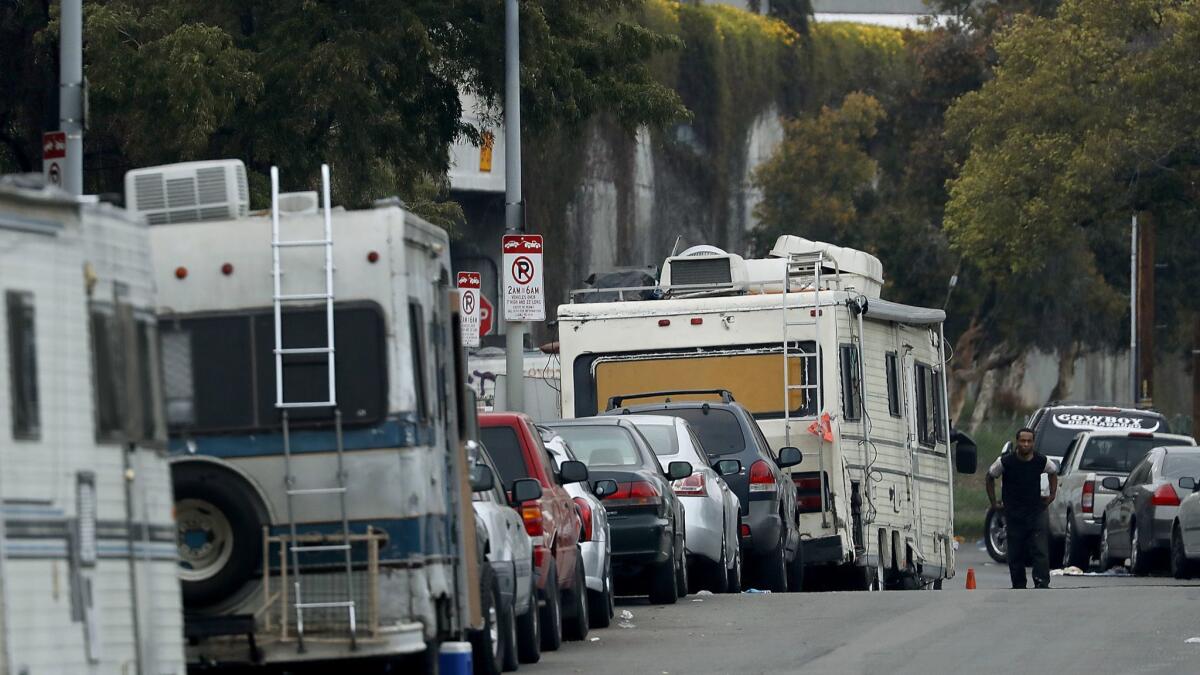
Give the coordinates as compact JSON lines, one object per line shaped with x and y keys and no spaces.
{"x":532,"y":515}
{"x":692,"y":486}
{"x":1165,"y":495}
{"x":761,"y":478}
{"x":1087,"y":501}
{"x":637,"y":493}
{"x":1140,"y":434}
{"x":744,"y":530}
{"x":585,"y":515}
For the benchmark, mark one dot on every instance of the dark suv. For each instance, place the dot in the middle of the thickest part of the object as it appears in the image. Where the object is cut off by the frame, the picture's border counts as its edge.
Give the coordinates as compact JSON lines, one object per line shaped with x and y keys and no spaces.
{"x":1054,"y":426}
{"x":770,"y":538}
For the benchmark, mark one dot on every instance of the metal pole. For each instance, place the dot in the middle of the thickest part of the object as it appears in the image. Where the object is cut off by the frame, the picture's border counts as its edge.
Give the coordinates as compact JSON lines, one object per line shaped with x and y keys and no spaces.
{"x":70,"y":93}
{"x":513,"y":205}
{"x":1133,"y":315}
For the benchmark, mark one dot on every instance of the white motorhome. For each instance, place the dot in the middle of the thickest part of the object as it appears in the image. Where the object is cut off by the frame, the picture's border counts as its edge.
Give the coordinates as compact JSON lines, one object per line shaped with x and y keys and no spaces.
{"x":797,"y":336}
{"x":87,"y":542}
{"x":310,"y":359}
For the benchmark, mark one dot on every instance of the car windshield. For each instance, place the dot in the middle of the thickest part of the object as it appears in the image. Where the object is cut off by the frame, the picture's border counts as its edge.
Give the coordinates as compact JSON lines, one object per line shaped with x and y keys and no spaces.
{"x":1059,"y":427}
{"x":1182,"y":464}
{"x":1119,"y":455}
{"x":718,"y":429}
{"x":661,"y":437}
{"x":505,"y":448}
{"x":601,"y":445}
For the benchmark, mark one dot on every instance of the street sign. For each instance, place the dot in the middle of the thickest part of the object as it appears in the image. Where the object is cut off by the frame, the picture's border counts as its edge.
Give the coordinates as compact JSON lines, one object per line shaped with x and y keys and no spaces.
{"x":524,"y":294}
{"x":469,"y":284}
{"x":54,"y":155}
{"x":487,"y":315}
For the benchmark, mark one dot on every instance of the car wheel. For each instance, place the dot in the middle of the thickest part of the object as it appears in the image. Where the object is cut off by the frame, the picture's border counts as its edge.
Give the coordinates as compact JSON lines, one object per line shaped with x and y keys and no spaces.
{"x":576,"y":623}
{"x":719,"y":572}
{"x":663,"y":589}
{"x":1139,"y":560}
{"x":681,"y":573}
{"x":795,"y":571}
{"x":551,"y":613}
{"x":600,"y":603}
{"x":735,"y":572}
{"x":1106,"y":560}
{"x":1181,"y":567}
{"x":1075,"y":552}
{"x":487,"y":644}
{"x":773,"y":566}
{"x":996,"y":535}
{"x":529,"y":630}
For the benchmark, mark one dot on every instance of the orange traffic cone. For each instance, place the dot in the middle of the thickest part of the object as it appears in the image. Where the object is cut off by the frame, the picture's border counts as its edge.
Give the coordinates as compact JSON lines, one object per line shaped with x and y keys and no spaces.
{"x":970,"y":578}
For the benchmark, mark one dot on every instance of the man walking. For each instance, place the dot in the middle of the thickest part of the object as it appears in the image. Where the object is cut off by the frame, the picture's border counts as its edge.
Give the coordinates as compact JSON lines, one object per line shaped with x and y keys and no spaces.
{"x":1024,"y":508}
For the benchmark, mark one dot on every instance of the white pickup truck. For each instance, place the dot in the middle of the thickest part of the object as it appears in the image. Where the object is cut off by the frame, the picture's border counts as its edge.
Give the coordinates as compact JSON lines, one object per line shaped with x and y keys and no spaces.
{"x":1077,"y":512}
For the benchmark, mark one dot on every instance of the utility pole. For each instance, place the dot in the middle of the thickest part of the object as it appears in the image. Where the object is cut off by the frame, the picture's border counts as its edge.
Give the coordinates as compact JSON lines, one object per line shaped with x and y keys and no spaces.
{"x":1145,"y":312}
{"x":70,"y":92}
{"x":1196,"y":376}
{"x":1133,"y":313}
{"x":514,"y":221}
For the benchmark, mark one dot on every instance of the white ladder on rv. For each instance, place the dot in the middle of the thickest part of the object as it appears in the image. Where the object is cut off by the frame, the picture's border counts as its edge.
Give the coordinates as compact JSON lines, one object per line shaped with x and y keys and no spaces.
{"x":340,"y":542}
{"x":803,"y":271}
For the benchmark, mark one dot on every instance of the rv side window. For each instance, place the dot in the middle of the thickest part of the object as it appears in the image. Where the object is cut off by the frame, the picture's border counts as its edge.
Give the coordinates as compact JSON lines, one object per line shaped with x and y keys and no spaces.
{"x":22,"y":366}
{"x":416,"y":325}
{"x":930,"y":406}
{"x":893,"y":384}
{"x":851,"y":387}
{"x":127,"y":376}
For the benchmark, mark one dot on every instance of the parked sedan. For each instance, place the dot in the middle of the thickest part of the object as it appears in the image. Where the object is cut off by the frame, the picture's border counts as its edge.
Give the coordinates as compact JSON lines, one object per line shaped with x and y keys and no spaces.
{"x":595,"y":542}
{"x":1138,"y":521}
{"x":1185,"y":535}
{"x":714,"y":554}
{"x":646,"y":519}
{"x":509,"y":584}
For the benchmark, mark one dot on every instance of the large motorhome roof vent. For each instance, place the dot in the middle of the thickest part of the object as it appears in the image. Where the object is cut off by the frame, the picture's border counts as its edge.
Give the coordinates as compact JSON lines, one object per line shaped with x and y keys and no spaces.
{"x":189,"y":192}
{"x":854,"y":268}
{"x":298,"y":203}
{"x":704,"y":271}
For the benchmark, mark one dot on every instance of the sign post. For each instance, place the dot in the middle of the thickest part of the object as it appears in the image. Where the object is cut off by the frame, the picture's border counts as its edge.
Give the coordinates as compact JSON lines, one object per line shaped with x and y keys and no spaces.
{"x":54,"y":156}
{"x":469,"y":284}
{"x":524,"y":293}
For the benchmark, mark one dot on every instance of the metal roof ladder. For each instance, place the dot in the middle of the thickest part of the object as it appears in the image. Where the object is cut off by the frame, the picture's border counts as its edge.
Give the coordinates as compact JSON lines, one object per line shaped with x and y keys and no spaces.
{"x":340,"y":541}
{"x":803,"y":272}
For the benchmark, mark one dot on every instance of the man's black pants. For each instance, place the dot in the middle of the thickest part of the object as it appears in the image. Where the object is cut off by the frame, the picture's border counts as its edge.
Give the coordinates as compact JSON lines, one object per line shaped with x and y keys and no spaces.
{"x":1028,"y":544}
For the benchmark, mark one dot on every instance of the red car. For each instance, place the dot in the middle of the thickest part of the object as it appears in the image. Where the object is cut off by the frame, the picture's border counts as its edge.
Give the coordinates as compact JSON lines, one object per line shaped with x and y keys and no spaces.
{"x":551,"y":521}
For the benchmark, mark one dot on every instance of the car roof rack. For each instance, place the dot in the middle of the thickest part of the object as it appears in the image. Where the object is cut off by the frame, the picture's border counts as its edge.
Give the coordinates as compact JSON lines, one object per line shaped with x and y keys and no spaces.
{"x":615,"y":402}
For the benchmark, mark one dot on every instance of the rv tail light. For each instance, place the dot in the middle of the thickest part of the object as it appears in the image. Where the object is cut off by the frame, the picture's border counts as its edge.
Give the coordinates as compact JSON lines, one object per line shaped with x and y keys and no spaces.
{"x":227,"y":269}
{"x":1165,"y":495}
{"x":696,"y":321}
{"x":585,"y":515}
{"x":532,"y":515}
{"x":181,"y":272}
{"x":761,"y":479}
{"x":664,"y":322}
{"x":1087,"y":501}
{"x":744,"y":530}
{"x":692,"y":486}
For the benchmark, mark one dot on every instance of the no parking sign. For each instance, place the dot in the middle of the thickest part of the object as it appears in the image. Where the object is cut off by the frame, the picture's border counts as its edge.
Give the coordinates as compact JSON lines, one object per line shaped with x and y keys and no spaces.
{"x":469,"y":284}
{"x":524,"y":294}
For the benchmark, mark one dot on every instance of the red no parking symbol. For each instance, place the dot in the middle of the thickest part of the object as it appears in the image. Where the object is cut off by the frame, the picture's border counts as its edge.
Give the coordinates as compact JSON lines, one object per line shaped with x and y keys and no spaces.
{"x":522,"y":270}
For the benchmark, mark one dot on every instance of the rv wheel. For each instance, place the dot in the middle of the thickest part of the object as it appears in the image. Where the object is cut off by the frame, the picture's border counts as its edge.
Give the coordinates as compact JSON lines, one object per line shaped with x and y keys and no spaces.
{"x":219,"y":534}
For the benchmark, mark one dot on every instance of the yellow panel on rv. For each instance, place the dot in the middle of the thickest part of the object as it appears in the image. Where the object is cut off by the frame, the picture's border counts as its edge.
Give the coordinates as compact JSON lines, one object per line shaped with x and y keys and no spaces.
{"x":755,"y":380}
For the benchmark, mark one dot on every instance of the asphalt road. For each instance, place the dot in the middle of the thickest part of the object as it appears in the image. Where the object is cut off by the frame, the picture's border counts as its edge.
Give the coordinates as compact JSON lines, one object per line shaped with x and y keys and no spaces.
{"x":1098,"y":624}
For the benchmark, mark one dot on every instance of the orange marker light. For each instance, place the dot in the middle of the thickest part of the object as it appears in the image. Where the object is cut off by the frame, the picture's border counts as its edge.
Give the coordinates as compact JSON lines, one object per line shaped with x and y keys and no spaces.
{"x":180,"y":272}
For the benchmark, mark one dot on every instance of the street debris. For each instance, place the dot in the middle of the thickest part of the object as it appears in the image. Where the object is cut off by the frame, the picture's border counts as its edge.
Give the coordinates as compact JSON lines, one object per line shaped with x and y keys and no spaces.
{"x":625,"y":619}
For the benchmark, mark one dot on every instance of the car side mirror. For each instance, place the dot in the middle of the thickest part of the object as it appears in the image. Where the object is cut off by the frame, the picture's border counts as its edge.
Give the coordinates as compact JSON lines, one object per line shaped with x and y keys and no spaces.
{"x":1187,"y":483}
{"x":1112,"y":483}
{"x":482,"y":478}
{"x":789,"y":456}
{"x":604,"y":488}
{"x":525,"y":490}
{"x":966,"y":453}
{"x":572,"y":471}
{"x":679,"y":470}
{"x":728,"y":467}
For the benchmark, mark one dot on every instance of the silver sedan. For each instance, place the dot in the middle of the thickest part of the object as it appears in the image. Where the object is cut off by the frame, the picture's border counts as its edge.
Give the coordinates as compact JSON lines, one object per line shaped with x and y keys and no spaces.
{"x":1139,"y":521}
{"x":714,"y":555}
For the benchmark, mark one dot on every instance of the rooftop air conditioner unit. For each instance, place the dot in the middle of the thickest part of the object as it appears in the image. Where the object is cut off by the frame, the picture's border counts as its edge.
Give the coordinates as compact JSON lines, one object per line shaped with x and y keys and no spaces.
{"x":298,"y":203}
{"x":189,"y":192}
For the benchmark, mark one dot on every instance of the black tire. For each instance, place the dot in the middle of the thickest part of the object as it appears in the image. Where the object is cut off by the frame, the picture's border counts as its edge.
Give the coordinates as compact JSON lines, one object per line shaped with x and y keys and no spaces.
{"x":718,"y":576}
{"x":486,"y":648}
{"x":551,"y":613}
{"x":216,"y":494}
{"x":772,"y":568}
{"x":995,"y":535}
{"x":1107,"y":562}
{"x":575,"y":618}
{"x":1181,"y":567}
{"x":1139,"y":559}
{"x":681,"y":573}
{"x":795,"y":571}
{"x":663,"y":587}
{"x":600,"y":603}
{"x":735,"y":572}
{"x":508,"y":632}
{"x":1075,"y":552}
{"x":529,"y":632}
